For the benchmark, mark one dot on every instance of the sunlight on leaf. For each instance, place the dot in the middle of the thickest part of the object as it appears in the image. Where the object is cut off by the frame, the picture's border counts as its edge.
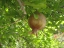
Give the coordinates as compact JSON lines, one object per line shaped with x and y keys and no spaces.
{"x":6,"y":9}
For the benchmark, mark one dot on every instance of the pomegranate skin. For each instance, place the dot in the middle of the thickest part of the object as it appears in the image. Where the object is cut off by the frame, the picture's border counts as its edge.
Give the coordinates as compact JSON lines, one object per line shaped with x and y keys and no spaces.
{"x":37,"y":24}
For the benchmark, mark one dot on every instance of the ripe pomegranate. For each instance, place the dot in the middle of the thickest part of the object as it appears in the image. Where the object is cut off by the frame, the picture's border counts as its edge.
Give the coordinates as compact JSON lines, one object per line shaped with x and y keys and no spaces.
{"x":37,"y":24}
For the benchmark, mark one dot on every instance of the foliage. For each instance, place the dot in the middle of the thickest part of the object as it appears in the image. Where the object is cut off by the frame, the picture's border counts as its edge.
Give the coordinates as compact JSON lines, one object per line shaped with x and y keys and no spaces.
{"x":14,"y":28}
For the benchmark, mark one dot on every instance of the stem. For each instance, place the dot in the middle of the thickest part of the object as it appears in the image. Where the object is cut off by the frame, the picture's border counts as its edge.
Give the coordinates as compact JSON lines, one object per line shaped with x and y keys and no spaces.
{"x":22,"y":6}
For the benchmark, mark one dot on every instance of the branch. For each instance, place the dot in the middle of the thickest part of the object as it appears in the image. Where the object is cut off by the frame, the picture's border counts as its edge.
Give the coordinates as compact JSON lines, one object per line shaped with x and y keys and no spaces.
{"x":22,"y":6}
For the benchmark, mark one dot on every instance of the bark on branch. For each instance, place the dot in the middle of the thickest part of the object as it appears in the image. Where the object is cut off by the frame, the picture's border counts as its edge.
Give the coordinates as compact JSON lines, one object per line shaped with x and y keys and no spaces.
{"x":22,"y":6}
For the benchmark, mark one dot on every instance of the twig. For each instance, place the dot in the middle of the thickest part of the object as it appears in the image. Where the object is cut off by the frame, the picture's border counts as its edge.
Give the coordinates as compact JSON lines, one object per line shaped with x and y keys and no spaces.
{"x":22,"y":6}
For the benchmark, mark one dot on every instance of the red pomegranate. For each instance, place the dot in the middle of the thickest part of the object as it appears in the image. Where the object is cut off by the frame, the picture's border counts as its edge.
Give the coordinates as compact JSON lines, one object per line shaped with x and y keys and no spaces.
{"x":37,"y":23}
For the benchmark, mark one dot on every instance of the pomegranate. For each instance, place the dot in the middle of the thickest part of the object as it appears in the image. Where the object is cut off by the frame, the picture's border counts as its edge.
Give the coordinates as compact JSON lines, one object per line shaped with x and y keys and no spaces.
{"x":37,"y":24}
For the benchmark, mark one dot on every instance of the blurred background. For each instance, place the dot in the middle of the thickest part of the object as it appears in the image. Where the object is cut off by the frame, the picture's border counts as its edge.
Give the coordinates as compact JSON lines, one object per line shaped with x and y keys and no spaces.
{"x":14,"y":28}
